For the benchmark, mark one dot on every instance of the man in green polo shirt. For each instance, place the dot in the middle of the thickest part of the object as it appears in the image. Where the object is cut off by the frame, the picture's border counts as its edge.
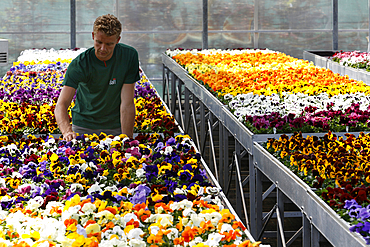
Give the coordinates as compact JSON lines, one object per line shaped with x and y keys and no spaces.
{"x":103,"y":79}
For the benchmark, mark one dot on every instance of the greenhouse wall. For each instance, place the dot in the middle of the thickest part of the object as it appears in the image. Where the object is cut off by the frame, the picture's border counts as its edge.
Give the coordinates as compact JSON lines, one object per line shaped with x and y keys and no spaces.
{"x":152,"y":26}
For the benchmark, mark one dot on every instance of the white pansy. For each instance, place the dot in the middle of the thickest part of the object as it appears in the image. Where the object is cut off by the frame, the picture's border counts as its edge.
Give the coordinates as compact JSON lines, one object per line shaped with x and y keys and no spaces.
{"x":173,"y":234}
{"x":16,"y":175}
{"x":92,"y":165}
{"x":117,"y":231}
{"x":164,"y":220}
{"x":140,"y":173}
{"x":214,"y":239}
{"x":287,"y":102}
{"x":35,"y":203}
{"x":137,"y":243}
{"x":125,"y":139}
{"x":49,"y":143}
{"x":179,"y":191}
{"x":49,"y":228}
{"x":185,"y":141}
{"x":212,"y":190}
{"x":181,"y":205}
{"x":226,"y":227}
{"x":94,"y":188}
{"x":3,"y":214}
{"x":185,"y":221}
{"x":88,"y":208}
{"x":168,"y":150}
{"x":12,"y":148}
{"x":72,"y":212}
{"x":4,"y":161}
{"x":51,"y":205}
{"x":76,"y":187}
{"x":214,"y":217}
{"x":114,"y":242}
{"x":188,"y":211}
{"x":43,"y":244}
{"x":14,"y":220}
{"x":84,"y":166}
{"x":129,"y":217}
{"x":196,"y":219}
{"x":74,"y":141}
{"x":104,"y":214}
{"x":112,"y":188}
{"x":153,"y":229}
{"x":106,"y":142}
{"x":217,"y":201}
{"x":208,"y":52}
{"x":65,"y":242}
{"x":196,"y":241}
{"x":6,"y":242}
{"x":135,"y":234}
{"x":40,"y":55}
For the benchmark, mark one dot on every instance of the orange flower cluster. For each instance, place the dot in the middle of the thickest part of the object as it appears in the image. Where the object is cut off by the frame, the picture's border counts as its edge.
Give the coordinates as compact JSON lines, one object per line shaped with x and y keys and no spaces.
{"x":264,"y":73}
{"x":254,"y":58}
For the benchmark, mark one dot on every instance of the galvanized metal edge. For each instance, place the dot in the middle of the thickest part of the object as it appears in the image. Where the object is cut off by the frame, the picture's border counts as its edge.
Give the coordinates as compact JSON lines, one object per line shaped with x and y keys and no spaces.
{"x":264,"y":137}
{"x":352,"y":73}
{"x":324,"y":218}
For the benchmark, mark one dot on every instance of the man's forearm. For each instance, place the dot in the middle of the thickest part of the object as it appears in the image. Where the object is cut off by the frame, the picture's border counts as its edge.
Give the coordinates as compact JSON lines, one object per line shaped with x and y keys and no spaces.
{"x":63,"y":120}
{"x":61,"y":112}
{"x":128,"y":119}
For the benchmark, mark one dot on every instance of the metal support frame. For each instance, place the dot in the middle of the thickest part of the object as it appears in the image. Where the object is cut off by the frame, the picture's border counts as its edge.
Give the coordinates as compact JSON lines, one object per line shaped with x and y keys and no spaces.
{"x":205,"y":25}
{"x":73,"y":23}
{"x":195,"y":127}
{"x":280,"y":218}
{"x":241,"y":191}
{"x":180,"y":108}
{"x":267,"y":178}
{"x":335,"y":25}
{"x":173,"y":94}
{"x":212,"y":149}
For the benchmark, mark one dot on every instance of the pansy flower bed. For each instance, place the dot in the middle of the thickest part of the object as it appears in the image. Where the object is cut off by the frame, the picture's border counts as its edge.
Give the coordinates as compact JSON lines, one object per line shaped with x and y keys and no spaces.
{"x":30,"y":89}
{"x":102,"y":190}
{"x":354,"y":59}
{"x":110,"y":191}
{"x":271,"y":92}
{"x":336,"y":168}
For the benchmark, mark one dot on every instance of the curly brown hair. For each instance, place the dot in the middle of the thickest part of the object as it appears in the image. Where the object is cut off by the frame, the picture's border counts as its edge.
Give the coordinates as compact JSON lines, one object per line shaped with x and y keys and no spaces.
{"x":108,"y":24}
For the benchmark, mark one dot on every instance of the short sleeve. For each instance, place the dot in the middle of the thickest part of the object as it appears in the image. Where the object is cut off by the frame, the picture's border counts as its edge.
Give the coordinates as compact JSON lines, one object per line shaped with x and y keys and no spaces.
{"x":74,"y":75}
{"x":133,"y":72}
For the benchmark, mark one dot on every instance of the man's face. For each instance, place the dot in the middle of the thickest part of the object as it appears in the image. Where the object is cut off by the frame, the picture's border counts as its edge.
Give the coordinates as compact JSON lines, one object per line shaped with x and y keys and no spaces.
{"x":104,"y":45}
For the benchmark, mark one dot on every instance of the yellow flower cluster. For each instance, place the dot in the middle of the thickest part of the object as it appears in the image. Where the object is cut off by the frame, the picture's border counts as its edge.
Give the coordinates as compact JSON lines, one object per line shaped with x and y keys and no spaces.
{"x":333,"y":158}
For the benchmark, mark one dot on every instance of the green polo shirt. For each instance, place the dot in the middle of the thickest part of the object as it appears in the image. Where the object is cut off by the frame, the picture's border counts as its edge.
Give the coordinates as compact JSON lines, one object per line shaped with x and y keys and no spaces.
{"x":98,"y":86}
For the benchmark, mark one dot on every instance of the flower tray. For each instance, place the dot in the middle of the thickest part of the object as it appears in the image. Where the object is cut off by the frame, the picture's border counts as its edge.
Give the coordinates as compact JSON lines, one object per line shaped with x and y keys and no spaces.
{"x":320,"y":59}
{"x":324,"y":218}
